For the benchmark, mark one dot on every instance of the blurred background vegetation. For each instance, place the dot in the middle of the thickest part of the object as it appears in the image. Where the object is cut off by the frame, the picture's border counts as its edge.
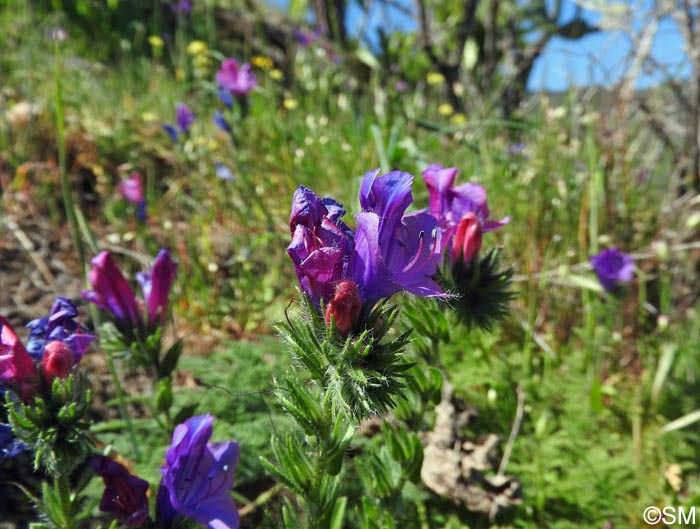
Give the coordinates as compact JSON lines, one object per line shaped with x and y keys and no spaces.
{"x":609,"y":409}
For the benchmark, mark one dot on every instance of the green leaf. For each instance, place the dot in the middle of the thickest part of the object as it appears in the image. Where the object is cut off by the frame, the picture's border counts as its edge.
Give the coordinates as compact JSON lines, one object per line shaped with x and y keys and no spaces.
{"x":171,"y":358}
{"x":338,"y":513}
{"x":370,"y":60}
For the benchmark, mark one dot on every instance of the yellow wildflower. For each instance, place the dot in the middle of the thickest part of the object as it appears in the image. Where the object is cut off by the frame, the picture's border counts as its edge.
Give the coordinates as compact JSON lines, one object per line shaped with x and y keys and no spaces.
{"x":276,"y":74}
{"x":290,"y":103}
{"x":445,"y":109}
{"x":434,"y":78}
{"x":197,"y":47}
{"x":459,"y":119}
{"x":149,"y":117}
{"x":156,"y":41}
{"x":262,"y":62}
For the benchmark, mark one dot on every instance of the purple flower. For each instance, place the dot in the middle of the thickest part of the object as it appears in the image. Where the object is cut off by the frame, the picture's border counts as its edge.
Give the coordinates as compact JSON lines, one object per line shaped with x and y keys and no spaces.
{"x":132,"y":188}
{"x":184,"y":117}
{"x":239,"y":80}
{"x":220,"y":121}
{"x":156,"y":286}
{"x":171,"y":130}
{"x":111,"y":291}
{"x":449,"y":203}
{"x":612,"y":266}
{"x":182,"y":6}
{"x":389,"y":252}
{"x":125,"y":494}
{"x":198,"y":475}
{"x":401,"y":85}
{"x":321,"y":243}
{"x":222,"y":171}
{"x":59,"y":326}
{"x":225,"y":97}
{"x":394,"y":251}
{"x":10,"y":446}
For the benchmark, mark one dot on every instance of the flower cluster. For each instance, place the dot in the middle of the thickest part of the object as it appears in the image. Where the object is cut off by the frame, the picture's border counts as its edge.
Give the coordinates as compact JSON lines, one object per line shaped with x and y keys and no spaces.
{"x":56,"y":344}
{"x":111,"y":292}
{"x":390,"y":251}
{"x":196,"y":479}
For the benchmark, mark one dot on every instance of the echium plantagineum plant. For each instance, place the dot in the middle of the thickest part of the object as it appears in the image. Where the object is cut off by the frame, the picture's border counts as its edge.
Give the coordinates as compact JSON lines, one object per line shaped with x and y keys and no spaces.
{"x":46,"y":401}
{"x":481,"y":291}
{"x":344,"y":340}
{"x":136,"y":326}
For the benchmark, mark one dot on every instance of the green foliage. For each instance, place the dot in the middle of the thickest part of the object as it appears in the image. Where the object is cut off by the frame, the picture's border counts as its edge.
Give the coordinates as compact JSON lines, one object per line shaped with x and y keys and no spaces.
{"x":55,"y":425}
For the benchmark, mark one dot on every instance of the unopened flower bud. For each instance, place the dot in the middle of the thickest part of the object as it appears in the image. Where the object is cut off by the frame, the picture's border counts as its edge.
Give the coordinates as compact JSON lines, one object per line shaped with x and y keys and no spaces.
{"x":344,"y":306}
{"x":57,"y":361}
{"x":467,"y":241}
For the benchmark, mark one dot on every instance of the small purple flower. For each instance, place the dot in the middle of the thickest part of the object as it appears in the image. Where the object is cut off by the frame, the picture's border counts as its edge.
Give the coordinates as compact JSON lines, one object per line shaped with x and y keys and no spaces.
{"x":239,"y":80}
{"x":125,"y":494}
{"x":182,"y":6}
{"x":225,"y":97}
{"x":222,"y":171}
{"x":449,"y":203}
{"x":198,"y":475}
{"x":612,"y":266}
{"x":132,"y":188}
{"x":184,"y":117}
{"x":516,"y":148}
{"x":59,"y":326}
{"x":10,"y":446}
{"x":220,"y":121}
{"x":111,"y":291}
{"x":401,"y":86}
{"x":156,"y":286}
{"x":171,"y":130}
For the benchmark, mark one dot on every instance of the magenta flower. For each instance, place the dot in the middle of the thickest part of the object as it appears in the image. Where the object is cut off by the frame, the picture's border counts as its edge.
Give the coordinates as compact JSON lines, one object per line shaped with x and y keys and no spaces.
{"x":239,"y":80}
{"x":125,"y":494}
{"x":197,"y":477}
{"x":111,"y":292}
{"x":321,"y":244}
{"x":17,"y":369}
{"x":612,"y":266}
{"x":132,"y":190}
{"x":449,"y":203}
{"x":156,"y":285}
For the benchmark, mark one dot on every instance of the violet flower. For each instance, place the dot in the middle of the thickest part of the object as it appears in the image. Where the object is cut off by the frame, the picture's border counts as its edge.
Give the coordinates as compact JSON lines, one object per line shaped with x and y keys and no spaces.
{"x":220,"y":121}
{"x":321,"y":244}
{"x":125,"y":494}
{"x":10,"y":446}
{"x":389,"y":252}
{"x":171,"y":130}
{"x":111,"y":292}
{"x":225,"y":97}
{"x":239,"y":80}
{"x":223,"y":171}
{"x":156,"y":285}
{"x":181,"y":6}
{"x":184,"y":117}
{"x":449,"y":203}
{"x":197,"y":477}
{"x":59,"y":326}
{"x":612,"y":266}
{"x":394,"y":251}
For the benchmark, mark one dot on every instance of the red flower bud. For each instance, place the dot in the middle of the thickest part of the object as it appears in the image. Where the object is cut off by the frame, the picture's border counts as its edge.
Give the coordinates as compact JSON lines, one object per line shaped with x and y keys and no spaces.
{"x":467,"y":241}
{"x":344,"y":306}
{"x":57,"y":361}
